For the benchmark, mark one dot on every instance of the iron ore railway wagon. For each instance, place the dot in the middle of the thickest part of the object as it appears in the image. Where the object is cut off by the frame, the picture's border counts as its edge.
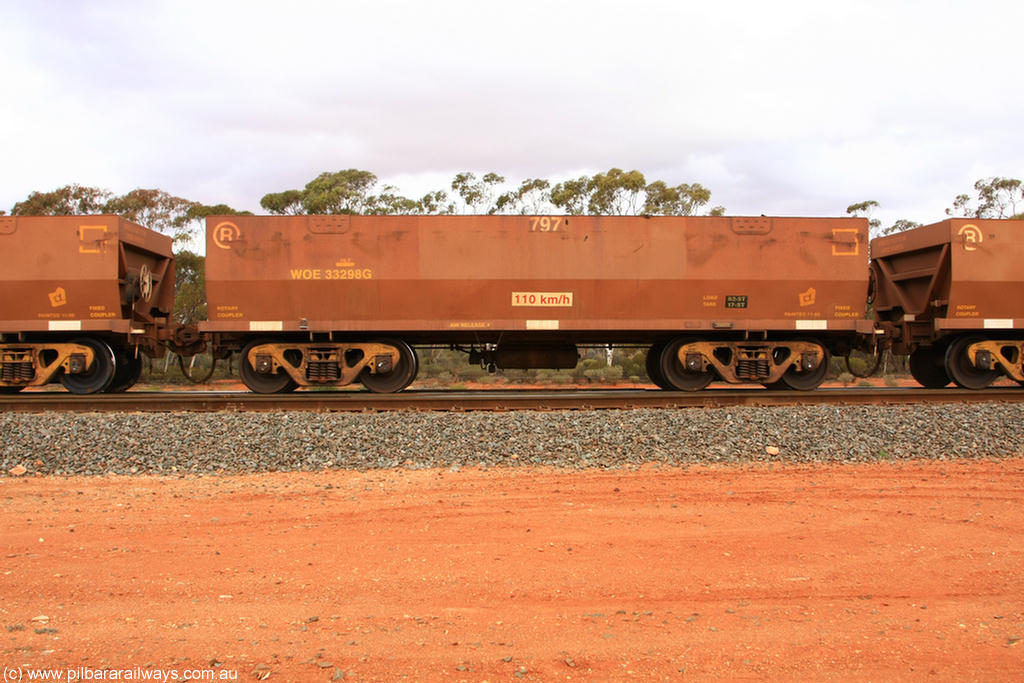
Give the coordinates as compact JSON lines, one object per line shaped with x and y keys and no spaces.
{"x":951,"y":295}
{"x":328,"y":300}
{"x":82,"y":298}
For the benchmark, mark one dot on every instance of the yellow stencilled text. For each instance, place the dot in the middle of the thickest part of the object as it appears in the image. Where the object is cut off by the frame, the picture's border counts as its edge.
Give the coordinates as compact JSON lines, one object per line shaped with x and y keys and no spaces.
{"x":846,"y":312}
{"x":101,"y":312}
{"x":331,"y":273}
{"x":548,"y":224}
{"x":228,"y":312}
{"x":542,"y":299}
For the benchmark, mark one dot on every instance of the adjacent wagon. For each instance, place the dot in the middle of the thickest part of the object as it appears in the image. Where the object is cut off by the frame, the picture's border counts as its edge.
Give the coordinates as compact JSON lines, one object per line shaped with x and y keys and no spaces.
{"x":951,"y":295}
{"x":83,"y":297}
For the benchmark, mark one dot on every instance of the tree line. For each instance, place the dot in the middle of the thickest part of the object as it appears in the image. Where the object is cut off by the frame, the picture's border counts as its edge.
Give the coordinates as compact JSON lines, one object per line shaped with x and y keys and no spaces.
{"x":155,"y":209}
{"x":996,"y":198}
{"x":611,"y":193}
{"x":352,"y":191}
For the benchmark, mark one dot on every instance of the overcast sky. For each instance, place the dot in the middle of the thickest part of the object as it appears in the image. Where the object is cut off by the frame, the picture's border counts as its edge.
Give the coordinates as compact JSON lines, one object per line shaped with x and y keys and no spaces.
{"x":791,"y":108}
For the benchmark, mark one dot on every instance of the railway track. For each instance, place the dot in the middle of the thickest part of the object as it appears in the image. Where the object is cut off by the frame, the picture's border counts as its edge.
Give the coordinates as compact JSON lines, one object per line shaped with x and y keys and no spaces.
{"x":505,"y":400}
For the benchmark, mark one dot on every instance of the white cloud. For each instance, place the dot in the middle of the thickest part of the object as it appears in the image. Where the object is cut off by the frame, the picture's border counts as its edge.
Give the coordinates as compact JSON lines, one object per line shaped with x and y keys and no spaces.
{"x":789,"y":107}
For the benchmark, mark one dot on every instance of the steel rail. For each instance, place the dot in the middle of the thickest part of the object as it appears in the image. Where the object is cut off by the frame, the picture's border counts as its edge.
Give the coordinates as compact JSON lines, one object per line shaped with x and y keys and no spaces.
{"x":504,"y":400}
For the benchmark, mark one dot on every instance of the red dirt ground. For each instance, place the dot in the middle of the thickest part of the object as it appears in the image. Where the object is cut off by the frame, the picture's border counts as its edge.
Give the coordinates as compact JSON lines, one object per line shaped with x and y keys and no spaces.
{"x":882,"y":572}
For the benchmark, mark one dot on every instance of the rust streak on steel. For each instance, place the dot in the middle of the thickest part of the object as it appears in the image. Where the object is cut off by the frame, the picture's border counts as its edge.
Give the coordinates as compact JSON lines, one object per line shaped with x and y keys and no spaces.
{"x":442,"y":401}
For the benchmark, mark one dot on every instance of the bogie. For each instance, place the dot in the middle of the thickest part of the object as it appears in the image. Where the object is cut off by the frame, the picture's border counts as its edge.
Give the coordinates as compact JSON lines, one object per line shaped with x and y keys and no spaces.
{"x":270,"y":366}
{"x":128,"y":370}
{"x":684,"y":371}
{"x":928,"y":366}
{"x":96,"y":377}
{"x":259,"y":374}
{"x":964,"y":367}
{"x":386,"y":378}
{"x":689,"y":364}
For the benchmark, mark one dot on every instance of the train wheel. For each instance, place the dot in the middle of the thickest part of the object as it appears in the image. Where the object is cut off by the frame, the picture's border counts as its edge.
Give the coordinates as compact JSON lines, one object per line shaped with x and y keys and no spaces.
{"x":928,"y":366}
{"x":279,"y":382}
{"x":960,"y":368}
{"x":400,"y":376}
{"x":653,"y":366}
{"x":99,"y":376}
{"x":677,"y":375}
{"x":128,"y":371}
{"x":10,"y":390}
{"x":806,"y":380}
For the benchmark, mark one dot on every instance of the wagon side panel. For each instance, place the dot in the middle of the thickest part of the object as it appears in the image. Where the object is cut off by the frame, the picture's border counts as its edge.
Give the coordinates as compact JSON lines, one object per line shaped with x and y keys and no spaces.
{"x":501,"y":273}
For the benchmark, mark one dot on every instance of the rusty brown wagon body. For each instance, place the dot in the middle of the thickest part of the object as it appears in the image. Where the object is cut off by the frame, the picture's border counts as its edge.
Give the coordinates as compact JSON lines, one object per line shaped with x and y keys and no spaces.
{"x":82,"y":296}
{"x":330,"y":299}
{"x":951,"y":295}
